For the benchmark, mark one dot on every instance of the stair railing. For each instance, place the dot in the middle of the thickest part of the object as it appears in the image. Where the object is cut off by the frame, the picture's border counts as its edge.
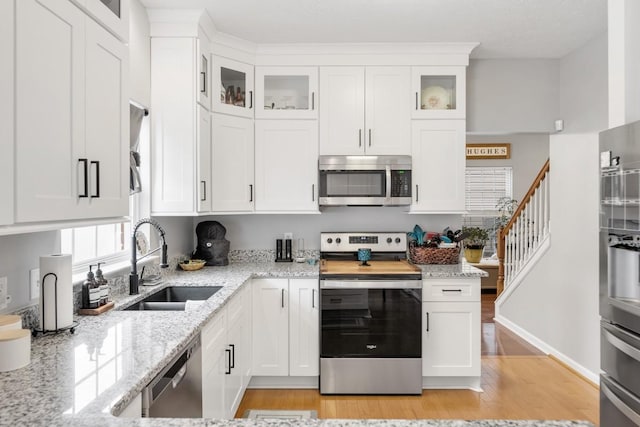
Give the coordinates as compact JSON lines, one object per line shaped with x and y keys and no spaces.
{"x":528,"y":227}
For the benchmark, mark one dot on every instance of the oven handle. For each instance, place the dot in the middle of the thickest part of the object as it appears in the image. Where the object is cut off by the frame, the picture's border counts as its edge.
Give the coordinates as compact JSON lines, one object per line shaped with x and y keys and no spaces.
{"x":621,"y":345}
{"x":372,"y":284}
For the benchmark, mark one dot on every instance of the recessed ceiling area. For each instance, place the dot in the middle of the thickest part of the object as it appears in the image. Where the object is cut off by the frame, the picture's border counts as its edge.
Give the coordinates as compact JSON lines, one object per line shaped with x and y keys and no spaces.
{"x":504,"y":28}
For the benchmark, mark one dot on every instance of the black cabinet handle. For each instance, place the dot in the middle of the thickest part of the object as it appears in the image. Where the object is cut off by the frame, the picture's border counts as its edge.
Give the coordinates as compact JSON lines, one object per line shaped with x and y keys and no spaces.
{"x":417,"y":193}
{"x":313,"y":100}
{"x":369,"y":137}
{"x":86,"y":178}
{"x":282,"y":298}
{"x":313,"y":192}
{"x":313,"y":298}
{"x":427,"y":321}
{"x":359,"y":137}
{"x":233,"y":356}
{"x":204,"y":191}
{"x":228,"y":351}
{"x":250,"y":99}
{"x":416,"y":100}
{"x":452,"y":290}
{"x":203,"y":74}
{"x":97,"y":163}
{"x":251,"y":192}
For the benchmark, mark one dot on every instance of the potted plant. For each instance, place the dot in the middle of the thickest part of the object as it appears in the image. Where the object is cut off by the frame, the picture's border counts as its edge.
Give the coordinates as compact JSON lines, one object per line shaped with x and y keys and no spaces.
{"x":474,"y":241}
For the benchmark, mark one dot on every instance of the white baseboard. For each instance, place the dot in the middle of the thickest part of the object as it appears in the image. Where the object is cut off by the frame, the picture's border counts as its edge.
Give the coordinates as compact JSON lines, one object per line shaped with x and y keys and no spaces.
{"x":284,"y":382}
{"x":547,"y":349}
{"x":471,"y":383}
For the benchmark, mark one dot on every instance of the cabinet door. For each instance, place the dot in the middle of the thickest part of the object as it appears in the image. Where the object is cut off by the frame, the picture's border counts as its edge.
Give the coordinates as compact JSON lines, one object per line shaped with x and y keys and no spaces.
{"x":112,"y":14}
{"x":232,"y":164}
{"x":286,"y":92}
{"x":215,"y":367}
{"x":232,"y":88}
{"x":107,"y":122}
{"x":451,"y":339}
{"x":204,"y":160}
{"x":7,"y":44}
{"x":388,"y":111}
{"x":49,"y":94}
{"x":238,"y":343}
{"x":270,"y":333}
{"x":173,"y":126}
{"x":438,"y":156}
{"x":286,"y":165}
{"x":304,"y":327}
{"x":439,"y":92}
{"x":203,"y":72}
{"x":342,"y":128}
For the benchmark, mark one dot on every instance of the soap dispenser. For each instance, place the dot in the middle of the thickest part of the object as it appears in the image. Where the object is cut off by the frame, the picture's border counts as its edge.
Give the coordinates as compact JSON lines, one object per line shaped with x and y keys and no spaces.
{"x":102,"y":285}
{"x":90,"y":291}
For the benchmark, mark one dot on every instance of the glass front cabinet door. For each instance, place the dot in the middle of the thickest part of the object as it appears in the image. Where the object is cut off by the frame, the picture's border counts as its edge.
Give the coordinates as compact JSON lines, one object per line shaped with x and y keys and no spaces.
{"x":232,"y":89}
{"x":439,"y":92}
{"x":286,"y":92}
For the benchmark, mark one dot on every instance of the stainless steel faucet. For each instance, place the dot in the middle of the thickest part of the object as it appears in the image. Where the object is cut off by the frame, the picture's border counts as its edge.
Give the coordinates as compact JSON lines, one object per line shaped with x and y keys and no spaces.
{"x":133,"y":276}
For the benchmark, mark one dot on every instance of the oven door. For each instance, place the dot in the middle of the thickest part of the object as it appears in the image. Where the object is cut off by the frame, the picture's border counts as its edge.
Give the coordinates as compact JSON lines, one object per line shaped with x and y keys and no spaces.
{"x":371,"y":319}
{"x":618,"y":407}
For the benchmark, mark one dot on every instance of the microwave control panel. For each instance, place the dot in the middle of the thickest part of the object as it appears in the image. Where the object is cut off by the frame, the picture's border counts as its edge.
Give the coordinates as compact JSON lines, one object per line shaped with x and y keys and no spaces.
{"x":400,"y":183}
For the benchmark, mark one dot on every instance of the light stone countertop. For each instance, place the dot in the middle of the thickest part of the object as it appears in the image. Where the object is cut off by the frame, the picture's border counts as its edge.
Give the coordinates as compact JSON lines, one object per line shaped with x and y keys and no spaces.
{"x":82,"y":379}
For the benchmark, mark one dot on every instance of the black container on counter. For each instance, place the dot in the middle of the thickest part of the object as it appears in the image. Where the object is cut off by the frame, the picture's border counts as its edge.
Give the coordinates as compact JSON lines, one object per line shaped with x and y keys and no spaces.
{"x":283,"y":254}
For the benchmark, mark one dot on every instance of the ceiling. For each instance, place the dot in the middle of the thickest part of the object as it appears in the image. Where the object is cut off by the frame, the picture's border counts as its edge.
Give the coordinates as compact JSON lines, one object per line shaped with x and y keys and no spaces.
{"x":504,"y":28}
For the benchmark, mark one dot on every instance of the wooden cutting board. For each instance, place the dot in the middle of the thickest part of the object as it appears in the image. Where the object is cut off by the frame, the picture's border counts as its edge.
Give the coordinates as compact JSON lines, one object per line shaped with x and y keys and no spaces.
{"x":376,"y":267}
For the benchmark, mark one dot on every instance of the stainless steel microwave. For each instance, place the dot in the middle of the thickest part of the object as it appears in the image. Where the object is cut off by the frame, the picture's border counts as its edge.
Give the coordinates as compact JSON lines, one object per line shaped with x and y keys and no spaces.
{"x":364,"y":180}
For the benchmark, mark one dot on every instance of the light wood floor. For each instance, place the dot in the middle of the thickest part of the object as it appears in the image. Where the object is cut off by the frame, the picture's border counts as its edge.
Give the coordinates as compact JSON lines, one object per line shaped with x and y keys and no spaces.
{"x":521,"y":385}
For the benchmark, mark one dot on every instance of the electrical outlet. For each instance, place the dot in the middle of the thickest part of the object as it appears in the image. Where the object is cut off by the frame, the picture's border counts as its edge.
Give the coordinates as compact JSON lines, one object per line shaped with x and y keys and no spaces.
{"x":34,"y":283}
{"x":4,"y":296}
{"x":288,"y":235}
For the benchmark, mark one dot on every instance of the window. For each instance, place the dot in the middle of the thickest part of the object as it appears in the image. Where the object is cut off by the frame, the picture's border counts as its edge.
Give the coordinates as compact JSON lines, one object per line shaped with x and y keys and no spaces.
{"x":484,"y":187}
{"x":88,"y":245}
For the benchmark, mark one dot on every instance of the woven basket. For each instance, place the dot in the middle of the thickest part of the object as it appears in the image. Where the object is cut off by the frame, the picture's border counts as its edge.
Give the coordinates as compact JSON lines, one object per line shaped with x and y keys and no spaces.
{"x":194,"y":264}
{"x":420,"y":255}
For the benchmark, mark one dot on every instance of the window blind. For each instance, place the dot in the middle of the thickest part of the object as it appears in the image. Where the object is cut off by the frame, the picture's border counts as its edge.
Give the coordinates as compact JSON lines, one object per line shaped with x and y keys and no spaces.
{"x":485,"y":186}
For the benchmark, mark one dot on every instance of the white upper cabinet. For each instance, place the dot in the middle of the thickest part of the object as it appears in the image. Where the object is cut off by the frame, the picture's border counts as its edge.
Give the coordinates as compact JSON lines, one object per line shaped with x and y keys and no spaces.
{"x":180,"y":130}
{"x":439,"y":92}
{"x":7,"y":44}
{"x":286,"y":92}
{"x":365,"y":110}
{"x":286,"y":165}
{"x":71,"y":78}
{"x":232,"y":88}
{"x":438,"y":157}
{"x":112,"y":14}
{"x":232,"y":164}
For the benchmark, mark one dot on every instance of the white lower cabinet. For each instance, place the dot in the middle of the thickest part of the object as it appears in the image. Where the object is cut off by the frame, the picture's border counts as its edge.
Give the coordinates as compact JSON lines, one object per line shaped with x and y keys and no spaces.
{"x":133,"y":409}
{"x":451,"y":328}
{"x":226,"y":363}
{"x":285,"y":327}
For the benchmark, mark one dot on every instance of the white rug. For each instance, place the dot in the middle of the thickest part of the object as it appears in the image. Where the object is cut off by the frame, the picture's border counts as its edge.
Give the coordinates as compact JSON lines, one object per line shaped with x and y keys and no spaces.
{"x":260,"y":414}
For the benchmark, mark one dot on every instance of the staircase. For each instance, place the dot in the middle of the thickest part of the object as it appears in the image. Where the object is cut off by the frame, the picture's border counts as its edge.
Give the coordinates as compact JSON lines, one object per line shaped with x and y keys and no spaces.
{"x":526,"y":234}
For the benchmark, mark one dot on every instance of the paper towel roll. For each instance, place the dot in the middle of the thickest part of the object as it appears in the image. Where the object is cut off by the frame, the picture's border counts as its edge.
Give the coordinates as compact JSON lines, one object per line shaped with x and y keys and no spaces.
{"x":60,"y":265}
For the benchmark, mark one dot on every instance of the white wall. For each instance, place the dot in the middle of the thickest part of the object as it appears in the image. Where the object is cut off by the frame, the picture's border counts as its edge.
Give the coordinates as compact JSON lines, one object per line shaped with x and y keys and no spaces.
{"x":583,"y":88}
{"x":512,"y":95}
{"x":260,"y":231}
{"x":528,"y":153}
{"x":557,"y":303}
{"x":19,"y":254}
{"x":139,"y":54}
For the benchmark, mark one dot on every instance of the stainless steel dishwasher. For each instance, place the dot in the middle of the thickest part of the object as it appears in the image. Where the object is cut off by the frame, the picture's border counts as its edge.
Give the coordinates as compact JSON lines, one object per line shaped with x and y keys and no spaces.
{"x":176,"y":392}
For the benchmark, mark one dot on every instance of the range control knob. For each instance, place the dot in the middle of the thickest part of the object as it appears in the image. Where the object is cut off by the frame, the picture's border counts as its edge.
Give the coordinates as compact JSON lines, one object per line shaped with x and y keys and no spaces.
{"x":329,"y":240}
{"x":389,"y":240}
{"x":338,"y":240}
{"x":397,"y":240}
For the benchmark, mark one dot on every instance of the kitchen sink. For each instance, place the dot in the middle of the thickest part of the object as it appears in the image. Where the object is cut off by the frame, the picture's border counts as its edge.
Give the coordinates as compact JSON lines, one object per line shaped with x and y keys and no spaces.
{"x":174,"y":298}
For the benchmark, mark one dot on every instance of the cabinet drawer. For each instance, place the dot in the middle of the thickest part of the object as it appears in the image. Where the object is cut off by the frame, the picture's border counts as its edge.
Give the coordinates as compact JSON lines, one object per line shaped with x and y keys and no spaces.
{"x":451,"y":290}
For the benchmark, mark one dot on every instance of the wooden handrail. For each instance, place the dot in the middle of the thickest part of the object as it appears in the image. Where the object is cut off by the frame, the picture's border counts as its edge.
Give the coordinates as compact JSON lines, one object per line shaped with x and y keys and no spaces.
{"x":502,"y":232}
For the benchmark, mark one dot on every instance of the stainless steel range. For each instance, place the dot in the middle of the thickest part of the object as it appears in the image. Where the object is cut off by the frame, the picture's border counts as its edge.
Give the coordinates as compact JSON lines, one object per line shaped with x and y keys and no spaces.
{"x":371,"y":322}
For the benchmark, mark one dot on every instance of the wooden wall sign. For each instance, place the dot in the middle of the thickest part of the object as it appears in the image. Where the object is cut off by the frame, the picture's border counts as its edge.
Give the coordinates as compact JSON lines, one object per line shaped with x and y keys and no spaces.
{"x":488,"y":151}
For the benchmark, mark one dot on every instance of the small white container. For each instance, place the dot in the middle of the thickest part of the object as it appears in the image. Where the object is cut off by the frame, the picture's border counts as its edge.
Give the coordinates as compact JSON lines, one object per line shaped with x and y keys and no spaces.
{"x":15,"y":348}
{"x":10,"y":322}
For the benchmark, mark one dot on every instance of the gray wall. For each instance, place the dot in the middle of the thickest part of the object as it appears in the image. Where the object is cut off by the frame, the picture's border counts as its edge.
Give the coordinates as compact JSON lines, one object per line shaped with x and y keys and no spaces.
{"x":528,"y":154}
{"x":512,"y":95}
{"x":583,"y":89}
{"x":260,"y":231}
{"x":19,"y":254}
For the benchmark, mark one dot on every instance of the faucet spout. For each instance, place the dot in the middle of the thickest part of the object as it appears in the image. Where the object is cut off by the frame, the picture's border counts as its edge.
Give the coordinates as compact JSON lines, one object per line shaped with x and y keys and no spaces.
{"x":133,"y":275}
